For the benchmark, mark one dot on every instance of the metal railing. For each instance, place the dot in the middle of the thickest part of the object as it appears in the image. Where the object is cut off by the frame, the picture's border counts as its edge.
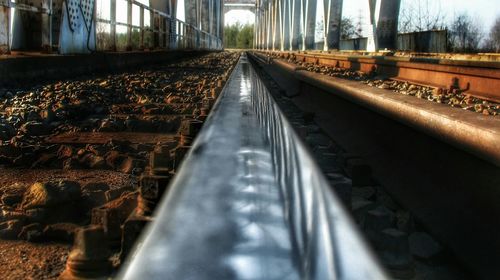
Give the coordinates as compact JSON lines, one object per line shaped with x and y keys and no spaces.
{"x":166,"y":32}
{"x":249,"y":202}
{"x":5,"y":27}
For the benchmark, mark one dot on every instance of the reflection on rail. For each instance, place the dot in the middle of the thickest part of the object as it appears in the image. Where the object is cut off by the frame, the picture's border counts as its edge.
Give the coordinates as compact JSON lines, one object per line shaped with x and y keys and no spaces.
{"x":250,"y":203}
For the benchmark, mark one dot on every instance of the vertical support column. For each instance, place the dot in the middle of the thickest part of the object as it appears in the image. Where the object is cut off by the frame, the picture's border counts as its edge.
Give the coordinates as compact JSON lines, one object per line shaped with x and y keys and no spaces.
{"x":256,"y":28}
{"x":141,"y":24}
{"x":387,"y":24}
{"x":278,"y":24}
{"x":112,"y":18}
{"x":205,"y":15}
{"x":46,"y":27}
{"x":211,"y":21}
{"x":217,"y":22}
{"x":273,"y":24}
{"x":295,"y":24}
{"x":4,"y":26}
{"x":333,"y":17}
{"x":172,"y":25}
{"x":285,"y":30}
{"x":221,"y":20}
{"x":269,"y":24}
{"x":161,"y":31}
{"x":309,"y":20}
{"x":190,"y":11}
{"x":129,"y":25}
{"x":152,"y":28}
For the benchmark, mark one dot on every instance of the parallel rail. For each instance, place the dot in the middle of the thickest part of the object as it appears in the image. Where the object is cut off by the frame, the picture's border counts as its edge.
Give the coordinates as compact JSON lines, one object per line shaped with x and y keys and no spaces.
{"x":439,"y":162}
{"x":477,"y":78}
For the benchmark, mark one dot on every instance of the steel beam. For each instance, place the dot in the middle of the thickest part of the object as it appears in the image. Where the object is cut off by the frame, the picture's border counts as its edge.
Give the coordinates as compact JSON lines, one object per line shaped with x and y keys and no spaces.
{"x":384,"y":15}
{"x":295,"y":24}
{"x":191,"y":12}
{"x":269,"y":29}
{"x":285,"y":29}
{"x":112,"y":18}
{"x":332,"y":16}
{"x":309,"y":23}
{"x":205,"y":17}
{"x":277,"y":25}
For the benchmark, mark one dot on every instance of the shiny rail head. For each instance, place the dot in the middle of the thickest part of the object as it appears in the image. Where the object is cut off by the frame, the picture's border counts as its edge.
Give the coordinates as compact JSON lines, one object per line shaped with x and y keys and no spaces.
{"x":249,"y":202}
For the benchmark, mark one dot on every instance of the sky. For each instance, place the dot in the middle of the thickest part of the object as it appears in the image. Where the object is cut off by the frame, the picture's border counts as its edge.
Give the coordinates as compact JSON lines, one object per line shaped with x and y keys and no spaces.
{"x":485,"y":11}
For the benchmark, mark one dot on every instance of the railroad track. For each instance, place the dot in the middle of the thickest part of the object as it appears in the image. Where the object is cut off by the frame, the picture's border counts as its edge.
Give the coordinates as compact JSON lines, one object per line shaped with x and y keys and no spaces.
{"x":480,"y":79}
{"x":105,"y":139}
{"x":438,"y":162}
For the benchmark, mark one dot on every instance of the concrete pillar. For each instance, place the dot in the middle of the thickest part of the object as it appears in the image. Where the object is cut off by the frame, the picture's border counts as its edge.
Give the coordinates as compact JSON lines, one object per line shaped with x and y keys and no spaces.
{"x":384,"y":15}
{"x":309,"y":21}
{"x":5,"y":27}
{"x":333,"y":17}
{"x":295,"y":24}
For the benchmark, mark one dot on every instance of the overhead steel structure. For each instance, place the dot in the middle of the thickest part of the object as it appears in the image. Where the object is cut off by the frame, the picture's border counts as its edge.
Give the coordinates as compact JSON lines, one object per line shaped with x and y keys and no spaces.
{"x":290,"y":24}
{"x":70,"y":25}
{"x":248,"y":5}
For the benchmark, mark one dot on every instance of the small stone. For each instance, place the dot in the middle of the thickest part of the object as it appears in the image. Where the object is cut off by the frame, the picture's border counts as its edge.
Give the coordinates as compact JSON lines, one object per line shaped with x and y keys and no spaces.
{"x":359,"y":208}
{"x":35,"y":129}
{"x":50,"y":194}
{"x":379,"y":219}
{"x":364,"y":192}
{"x":32,"y":232}
{"x":394,"y":253}
{"x":10,"y":229}
{"x":60,"y":232}
{"x":359,"y":171}
{"x":65,"y":151}
{"x":424,"y":246}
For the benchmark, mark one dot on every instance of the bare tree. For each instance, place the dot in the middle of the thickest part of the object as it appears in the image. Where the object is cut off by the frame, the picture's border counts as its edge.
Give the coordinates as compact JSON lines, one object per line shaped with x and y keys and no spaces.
{"x":421,"y":15}
{"x":465,"y":33}
{"x":493,"y":41}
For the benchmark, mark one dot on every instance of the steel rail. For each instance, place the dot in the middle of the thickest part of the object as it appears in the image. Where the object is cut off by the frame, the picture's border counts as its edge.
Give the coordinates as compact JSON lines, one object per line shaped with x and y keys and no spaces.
{"x":469,"y":131}
{"x":477,"y":78}
{"x":249,"y":202}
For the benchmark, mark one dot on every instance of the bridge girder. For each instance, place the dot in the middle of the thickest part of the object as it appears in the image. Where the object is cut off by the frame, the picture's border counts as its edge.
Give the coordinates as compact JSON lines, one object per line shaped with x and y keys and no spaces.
{"x":290,"y":24}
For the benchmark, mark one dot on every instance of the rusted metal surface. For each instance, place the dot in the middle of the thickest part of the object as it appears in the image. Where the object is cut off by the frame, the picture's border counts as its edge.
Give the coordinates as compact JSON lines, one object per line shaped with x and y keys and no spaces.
{"x":480,"y":78}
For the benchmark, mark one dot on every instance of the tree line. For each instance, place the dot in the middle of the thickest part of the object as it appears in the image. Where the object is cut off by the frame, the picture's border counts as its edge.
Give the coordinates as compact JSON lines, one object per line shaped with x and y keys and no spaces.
{"x":238,"y":36}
